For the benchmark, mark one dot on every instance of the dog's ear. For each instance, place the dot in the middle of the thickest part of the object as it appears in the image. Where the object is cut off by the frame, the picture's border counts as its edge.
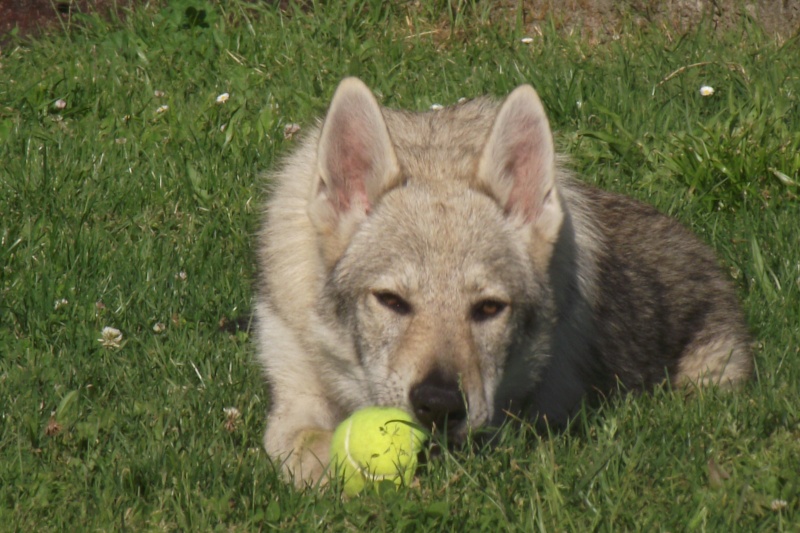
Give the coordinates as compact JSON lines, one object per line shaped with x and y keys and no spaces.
{"x":518,"y":167}
{"x":356,"y":162}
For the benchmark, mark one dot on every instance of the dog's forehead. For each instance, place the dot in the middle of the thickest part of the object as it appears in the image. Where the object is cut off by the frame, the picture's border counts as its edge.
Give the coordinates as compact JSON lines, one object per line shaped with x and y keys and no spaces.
{"x":442,"y":145}
{"x":438,"y":231}
{"x":443,"y":216}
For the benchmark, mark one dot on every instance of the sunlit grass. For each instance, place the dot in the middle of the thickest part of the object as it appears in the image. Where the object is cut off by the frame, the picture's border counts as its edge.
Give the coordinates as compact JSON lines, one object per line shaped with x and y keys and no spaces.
{"x":129,"y":197}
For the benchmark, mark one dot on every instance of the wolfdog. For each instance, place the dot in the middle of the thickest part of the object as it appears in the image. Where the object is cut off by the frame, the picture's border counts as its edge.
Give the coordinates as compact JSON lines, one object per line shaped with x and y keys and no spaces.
{"x":444,"y":262}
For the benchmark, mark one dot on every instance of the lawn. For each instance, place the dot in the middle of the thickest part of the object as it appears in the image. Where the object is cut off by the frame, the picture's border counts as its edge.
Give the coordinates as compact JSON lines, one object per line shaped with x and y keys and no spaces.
{"x":130,"y":153}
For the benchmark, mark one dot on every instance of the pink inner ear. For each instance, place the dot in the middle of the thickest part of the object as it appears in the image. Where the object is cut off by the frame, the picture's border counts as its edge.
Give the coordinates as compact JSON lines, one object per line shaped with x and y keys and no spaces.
{"x":529,"y":174}
{"x":349,"y":166}
{"x":355,"y":153}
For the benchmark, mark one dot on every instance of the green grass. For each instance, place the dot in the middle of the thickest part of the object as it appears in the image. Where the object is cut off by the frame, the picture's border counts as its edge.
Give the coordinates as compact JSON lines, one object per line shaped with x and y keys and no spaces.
{"x":136,"y":217}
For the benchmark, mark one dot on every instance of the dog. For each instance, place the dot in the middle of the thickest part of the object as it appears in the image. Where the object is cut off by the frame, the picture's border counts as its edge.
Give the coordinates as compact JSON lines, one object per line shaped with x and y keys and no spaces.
{"x":446,"y":263}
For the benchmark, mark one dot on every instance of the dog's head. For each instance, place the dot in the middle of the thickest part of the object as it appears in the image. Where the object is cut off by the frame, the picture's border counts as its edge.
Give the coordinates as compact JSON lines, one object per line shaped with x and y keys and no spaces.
{"x":440,"y":275}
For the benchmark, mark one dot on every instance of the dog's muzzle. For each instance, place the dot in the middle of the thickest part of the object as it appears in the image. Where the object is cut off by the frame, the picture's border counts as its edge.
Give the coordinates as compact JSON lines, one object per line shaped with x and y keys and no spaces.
{"x":439,"y":404}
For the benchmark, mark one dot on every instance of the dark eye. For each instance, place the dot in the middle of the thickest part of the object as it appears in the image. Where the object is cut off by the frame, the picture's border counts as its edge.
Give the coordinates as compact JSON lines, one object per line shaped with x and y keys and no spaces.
{"x":392,"y":301}
{"x":487,"y":309}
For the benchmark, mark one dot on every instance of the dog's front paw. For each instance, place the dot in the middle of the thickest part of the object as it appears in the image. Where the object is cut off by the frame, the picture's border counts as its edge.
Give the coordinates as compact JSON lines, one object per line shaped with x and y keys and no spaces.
{"x":308,"y":463}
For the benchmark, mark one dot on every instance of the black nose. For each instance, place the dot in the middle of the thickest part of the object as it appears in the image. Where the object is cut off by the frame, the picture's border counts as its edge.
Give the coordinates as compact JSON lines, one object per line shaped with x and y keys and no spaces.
{"x":438,"y":403}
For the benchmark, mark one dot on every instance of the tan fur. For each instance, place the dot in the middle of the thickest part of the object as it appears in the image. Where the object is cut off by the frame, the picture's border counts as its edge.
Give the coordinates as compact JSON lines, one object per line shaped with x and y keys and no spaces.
{"x":403,"y":253}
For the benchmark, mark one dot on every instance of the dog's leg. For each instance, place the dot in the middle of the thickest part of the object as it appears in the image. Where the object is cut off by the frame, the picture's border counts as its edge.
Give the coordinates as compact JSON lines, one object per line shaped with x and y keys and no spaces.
{"x":301,"y":417}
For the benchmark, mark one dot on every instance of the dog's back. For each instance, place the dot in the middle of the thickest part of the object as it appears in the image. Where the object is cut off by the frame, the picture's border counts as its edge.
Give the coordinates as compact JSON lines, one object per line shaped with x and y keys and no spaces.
{"x":650,"y":304}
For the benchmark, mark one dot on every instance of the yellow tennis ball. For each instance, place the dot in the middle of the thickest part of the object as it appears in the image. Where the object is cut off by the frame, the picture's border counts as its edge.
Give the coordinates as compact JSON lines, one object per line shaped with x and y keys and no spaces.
{"x":376,"y":444}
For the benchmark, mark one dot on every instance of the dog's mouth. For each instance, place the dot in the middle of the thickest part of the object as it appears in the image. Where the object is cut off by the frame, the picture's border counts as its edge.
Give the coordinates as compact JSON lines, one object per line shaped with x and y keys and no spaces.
{"x":449,"y":433}
{"x":445,"y":424}
{"x":449,"y":436}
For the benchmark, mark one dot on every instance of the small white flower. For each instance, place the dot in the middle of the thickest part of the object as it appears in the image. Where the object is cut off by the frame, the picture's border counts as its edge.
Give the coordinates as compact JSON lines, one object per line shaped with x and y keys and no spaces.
{"x":232,"y":415}
{"x":221,"y":99}
{"x":158,"y":94}
{"x":231,"y":412}
{"x":526,"y":40}
{"x":162,"y":109}
{"x":61,"y":302}
{"x":181,"y":275}
{"x":60,"y":104}
{"x":223,"y":128}
{"x":437,"y":107}
{"x":290,"y":129}
{"x":579,"y":104}
{"x":111,"y":337}
{"x":159,"y":327}
{"x":778,"y":505}
{"x":706,"y":90}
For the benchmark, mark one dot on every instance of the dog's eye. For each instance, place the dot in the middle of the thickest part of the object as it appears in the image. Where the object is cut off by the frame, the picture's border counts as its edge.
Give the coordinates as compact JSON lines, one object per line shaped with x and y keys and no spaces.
{"x":487,"y":310}
{"x":392,"y":301}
